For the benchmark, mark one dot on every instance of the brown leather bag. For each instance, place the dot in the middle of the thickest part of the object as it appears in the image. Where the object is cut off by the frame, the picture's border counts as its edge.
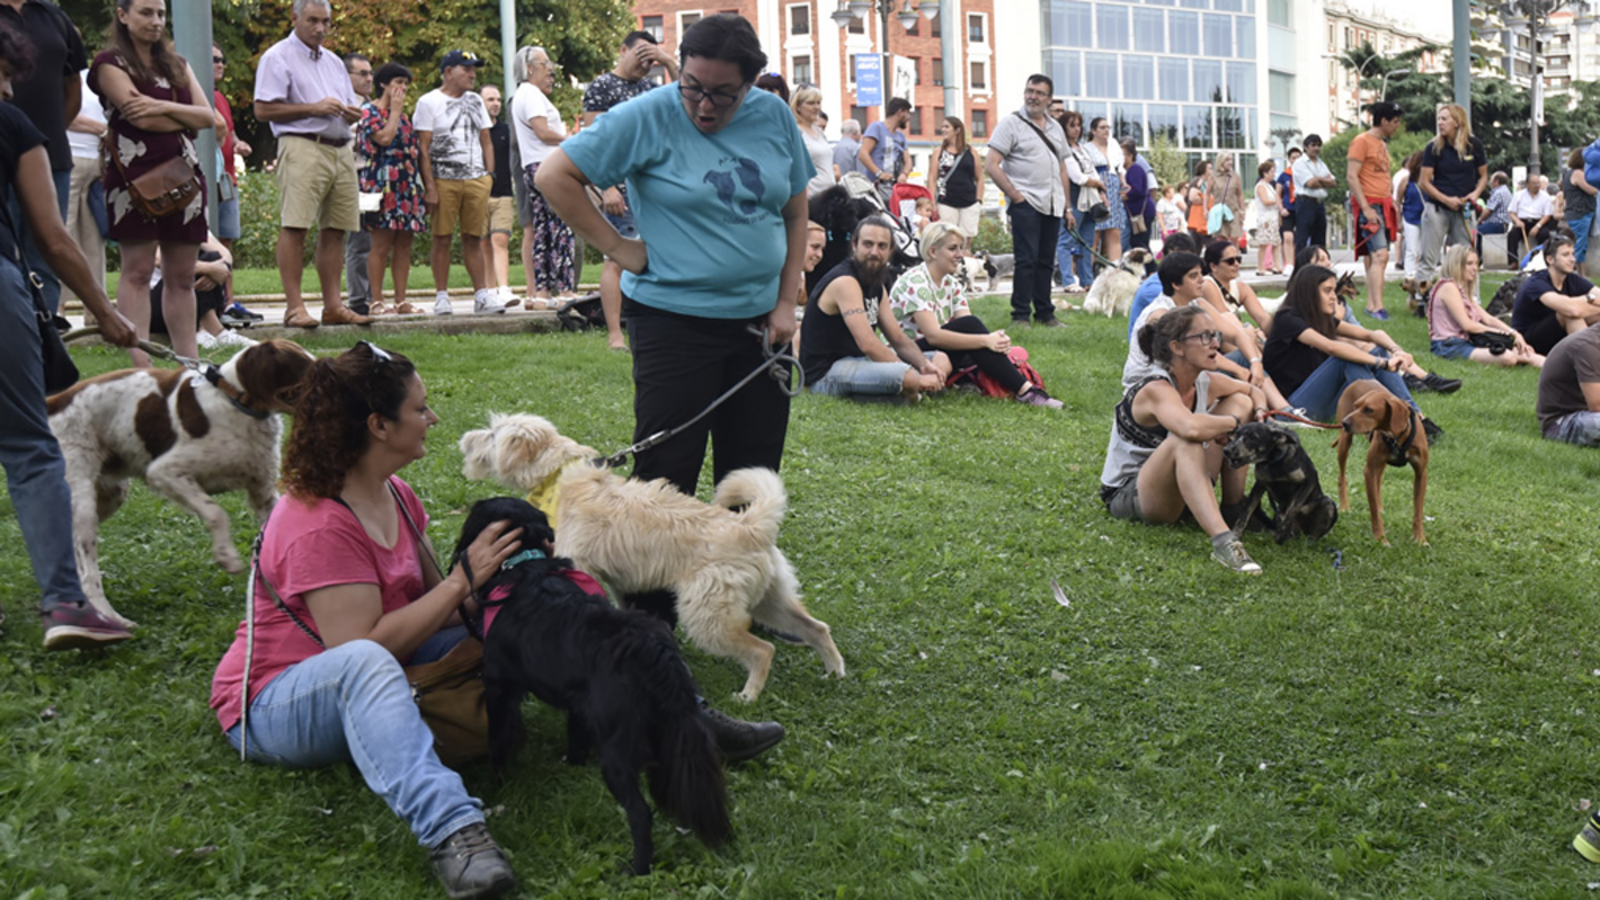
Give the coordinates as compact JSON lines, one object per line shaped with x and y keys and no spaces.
{"x":165,"y":189}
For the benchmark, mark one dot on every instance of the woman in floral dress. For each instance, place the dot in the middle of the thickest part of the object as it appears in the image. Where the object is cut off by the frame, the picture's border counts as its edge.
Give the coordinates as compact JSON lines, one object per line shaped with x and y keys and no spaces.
{"x":389,"y":158}
{"x":153,"y":108}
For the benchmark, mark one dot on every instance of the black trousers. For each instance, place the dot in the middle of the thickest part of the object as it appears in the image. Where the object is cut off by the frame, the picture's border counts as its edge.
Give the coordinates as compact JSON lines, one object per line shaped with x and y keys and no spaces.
{"x":680,"y":365}
{"x":995,"y":365}
{"x":1535,"y":237}
{"x":1033,"y":241}
{"x":1310,"y":223}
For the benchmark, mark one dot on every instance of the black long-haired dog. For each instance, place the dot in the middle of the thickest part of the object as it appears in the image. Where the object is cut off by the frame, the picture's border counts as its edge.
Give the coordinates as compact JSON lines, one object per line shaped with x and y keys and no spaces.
{"x":616,"y":672}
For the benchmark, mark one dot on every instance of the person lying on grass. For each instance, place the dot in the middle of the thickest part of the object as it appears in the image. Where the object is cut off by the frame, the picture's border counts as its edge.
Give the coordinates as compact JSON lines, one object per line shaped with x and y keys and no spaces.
{"x":930,"y":306}
{"x":842,"y":354}
{"x":1167,"y":433}
{"x":1454,"y":316}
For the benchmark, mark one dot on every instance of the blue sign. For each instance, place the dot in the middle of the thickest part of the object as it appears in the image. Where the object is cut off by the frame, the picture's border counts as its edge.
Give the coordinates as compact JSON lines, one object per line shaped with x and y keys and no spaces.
{"x":869,"y":79}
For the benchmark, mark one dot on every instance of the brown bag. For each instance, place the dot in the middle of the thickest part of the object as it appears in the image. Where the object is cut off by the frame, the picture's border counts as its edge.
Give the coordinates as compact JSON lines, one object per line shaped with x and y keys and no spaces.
{"x":449,"y":691}
{"x":165,"y":189}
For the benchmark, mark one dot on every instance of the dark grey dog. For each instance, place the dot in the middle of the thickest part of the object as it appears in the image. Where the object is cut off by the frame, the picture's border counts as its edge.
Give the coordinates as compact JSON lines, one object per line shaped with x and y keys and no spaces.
{"x":1284,"y":473}
{"x":997,"y":265}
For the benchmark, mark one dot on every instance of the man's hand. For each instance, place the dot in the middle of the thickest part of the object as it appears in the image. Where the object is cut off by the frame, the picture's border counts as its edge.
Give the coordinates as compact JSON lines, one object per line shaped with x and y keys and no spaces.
{"x":328,"y":106}
{"x":115,"y":328}
{"x":242,"y":148}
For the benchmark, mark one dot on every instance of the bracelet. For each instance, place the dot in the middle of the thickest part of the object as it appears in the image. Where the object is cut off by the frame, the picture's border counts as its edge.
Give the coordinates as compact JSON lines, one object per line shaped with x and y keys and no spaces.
{"x":1236,"y":422}
{"x":1255,"y":359}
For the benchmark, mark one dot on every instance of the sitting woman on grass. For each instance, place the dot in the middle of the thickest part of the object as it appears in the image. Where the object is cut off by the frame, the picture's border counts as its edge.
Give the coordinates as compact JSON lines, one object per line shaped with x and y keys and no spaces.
{"x":1311,"y":353}
{"x":1454,"y":316}
{"x":931,"y":307}
{"x":1167,"y":433}
{"x":1226,"y":292}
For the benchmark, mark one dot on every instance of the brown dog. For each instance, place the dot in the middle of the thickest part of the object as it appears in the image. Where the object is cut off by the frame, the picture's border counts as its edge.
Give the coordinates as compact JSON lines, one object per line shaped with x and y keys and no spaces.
{"x":1366,"y":408}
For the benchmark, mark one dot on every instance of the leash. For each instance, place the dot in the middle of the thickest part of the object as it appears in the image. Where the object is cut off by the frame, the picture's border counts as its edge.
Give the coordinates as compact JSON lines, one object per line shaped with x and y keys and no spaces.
{"x":205,"y":368}
{"x":778,"y":363}
{"x":1296,"y":417}
{"x":1093,"y":253}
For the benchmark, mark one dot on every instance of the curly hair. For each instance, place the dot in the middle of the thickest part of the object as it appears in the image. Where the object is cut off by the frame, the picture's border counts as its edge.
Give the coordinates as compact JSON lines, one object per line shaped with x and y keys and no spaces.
{"x":330,"y":419}
{"x":16,"y":51}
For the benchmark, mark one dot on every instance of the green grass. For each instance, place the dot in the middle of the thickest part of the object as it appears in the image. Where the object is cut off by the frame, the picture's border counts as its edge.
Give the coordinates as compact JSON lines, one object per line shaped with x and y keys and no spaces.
{"x":420,"y":282}
{"x":1413,"y":725}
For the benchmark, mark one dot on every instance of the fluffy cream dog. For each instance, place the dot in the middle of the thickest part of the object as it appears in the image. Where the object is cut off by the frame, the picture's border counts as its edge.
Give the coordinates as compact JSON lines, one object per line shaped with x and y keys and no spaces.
{"x":724,"y":566}
{"x":1113,"y":290}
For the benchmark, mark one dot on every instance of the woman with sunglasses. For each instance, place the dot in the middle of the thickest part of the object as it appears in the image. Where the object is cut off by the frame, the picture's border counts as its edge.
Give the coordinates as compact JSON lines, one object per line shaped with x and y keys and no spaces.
{"x":1167,"y":433}
{"x":1226,"y":291}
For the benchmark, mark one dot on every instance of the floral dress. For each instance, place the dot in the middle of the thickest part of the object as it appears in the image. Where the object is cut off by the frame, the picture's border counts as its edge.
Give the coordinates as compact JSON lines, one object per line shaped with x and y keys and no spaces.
{"x":1112,"y":177}
{"x":139,"y":151}
{"x":391,"y":170}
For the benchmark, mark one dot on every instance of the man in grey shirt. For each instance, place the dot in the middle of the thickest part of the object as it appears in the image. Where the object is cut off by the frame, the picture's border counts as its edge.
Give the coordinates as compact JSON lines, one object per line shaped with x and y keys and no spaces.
{"x":846,"y":151}
{"x":1026,"y":161}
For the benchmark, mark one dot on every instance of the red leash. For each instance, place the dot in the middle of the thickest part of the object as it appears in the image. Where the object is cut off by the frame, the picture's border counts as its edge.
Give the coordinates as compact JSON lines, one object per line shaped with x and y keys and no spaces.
{"x":1287,"y":414}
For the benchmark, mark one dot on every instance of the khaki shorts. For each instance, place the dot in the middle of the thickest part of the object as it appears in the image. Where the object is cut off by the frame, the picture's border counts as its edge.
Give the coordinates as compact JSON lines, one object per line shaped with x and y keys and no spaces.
{"x":502,"y":215}
{"x":466,"y":202}
{"x":317,"y":185}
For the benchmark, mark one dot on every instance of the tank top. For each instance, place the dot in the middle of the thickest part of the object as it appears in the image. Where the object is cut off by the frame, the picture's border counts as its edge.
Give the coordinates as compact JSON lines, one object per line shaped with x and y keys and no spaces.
{"x":824,"y":338}
{"x":958,"y":183}
{"x":1131,"y":443}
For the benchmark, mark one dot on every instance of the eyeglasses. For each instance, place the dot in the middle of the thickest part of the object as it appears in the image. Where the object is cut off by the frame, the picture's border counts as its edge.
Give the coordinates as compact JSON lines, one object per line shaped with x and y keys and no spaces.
{"x":1204,"y":337}
{"x":717,"y":98}
{"x":1230,"y":260}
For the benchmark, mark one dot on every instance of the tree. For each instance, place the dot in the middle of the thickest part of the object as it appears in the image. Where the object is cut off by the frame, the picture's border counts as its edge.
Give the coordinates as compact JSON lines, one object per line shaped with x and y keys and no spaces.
{"x":1535,"y":14}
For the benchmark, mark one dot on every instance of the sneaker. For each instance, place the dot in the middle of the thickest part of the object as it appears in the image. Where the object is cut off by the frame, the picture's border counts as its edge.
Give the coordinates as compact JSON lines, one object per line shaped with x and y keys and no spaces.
{"x":1433,"y":431}
{"x":76,"y":626}
{"x":739,"y":740}
{"x":470,"y":864}
{"x":1052,"y":323}
{"x":1288,"y":412}
{"x":1440,"y":384}
{"x":238,"y":311}
{"x":232,"y":339}
{"x":1034,"y":396}
{"x":1233,"y":556}
{"x":1587,"y":843}
{"x":487,"y":302}
{"x":205,"y":339}
{"x":1382,"y":315}
{"x":360,"y":307}
{"x":441,"y":304}
{"x":230,"y":320}
{"x":1019,"y":323}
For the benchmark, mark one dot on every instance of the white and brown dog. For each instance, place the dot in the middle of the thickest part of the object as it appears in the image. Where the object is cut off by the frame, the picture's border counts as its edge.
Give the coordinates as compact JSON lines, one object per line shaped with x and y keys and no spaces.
{"x":637,"y":537}
{"x":1113,"y":289}
{"x":187,"y":434}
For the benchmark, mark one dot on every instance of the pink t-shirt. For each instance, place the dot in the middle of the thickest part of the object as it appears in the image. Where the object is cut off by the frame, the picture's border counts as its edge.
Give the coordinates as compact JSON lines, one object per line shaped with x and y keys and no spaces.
{"x":1442,"y":326}
{"x":307,"y":547}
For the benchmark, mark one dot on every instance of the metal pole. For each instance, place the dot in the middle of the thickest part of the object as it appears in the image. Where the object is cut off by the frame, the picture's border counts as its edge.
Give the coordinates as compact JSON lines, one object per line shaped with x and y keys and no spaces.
{"x":1534,"y":22}
{"x":191,"y":33}
{"x":888,"y":61}
{"x":508,"y":47}
{"x":1461,"y":52}
{"x":950,"y":46}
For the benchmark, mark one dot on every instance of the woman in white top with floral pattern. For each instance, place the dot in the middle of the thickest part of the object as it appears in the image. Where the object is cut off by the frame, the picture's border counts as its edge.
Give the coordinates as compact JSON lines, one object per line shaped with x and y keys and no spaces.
{"x":931,"y":307}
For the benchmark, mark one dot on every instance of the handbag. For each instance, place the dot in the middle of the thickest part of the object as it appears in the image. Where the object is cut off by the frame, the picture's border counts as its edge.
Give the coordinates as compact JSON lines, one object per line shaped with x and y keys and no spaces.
{"x":1496,"y":342}
{"x":60,"y":372}
{"x":162,"y":191}
{"x":449,"y":692}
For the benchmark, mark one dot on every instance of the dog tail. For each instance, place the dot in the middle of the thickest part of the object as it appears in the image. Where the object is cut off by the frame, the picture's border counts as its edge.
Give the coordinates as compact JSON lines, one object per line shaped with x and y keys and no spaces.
{"x":760,"y":492}
{"x":687,"y":782}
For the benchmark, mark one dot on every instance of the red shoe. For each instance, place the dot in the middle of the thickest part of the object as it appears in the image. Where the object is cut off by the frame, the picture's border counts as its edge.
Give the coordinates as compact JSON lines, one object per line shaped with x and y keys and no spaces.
{"x":76,"y":626}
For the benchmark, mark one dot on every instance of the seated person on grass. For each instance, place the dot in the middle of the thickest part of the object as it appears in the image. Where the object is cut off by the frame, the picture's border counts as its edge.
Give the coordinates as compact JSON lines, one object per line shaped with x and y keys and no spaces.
{"x":1312,"y":355}
{"x":213,"y":274}
{"x":1569,"y":390}
{"x":1226,"y":292}
{"x":1167,"y":432}
{"x":841,"y":353}
{"x":1454,"y":316}
{"x":1556,"y":302}
{"x":1150,"y":287}
{"x":931,"y":308}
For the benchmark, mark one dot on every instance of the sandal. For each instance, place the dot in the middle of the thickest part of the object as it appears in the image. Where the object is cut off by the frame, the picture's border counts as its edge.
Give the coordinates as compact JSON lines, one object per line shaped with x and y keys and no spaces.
{"x":378,"y":309}
{"x":405,"y":309}
{"x":540,"y":303}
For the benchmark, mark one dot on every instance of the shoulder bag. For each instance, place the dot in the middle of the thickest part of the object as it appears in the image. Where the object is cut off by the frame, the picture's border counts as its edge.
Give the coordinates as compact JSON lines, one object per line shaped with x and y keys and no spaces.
{"x":449,"y":692}
{"x":162,"y":191}
{"x":60,"y":372}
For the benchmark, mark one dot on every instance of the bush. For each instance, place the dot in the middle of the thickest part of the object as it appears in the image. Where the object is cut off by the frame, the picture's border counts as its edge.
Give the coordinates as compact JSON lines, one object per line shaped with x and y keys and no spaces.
{"x":992,"y":236}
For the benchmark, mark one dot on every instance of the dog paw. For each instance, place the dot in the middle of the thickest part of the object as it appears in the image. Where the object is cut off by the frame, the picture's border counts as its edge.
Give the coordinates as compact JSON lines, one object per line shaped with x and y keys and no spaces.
{"x":230,"y":563}
{"x":747,"y":696}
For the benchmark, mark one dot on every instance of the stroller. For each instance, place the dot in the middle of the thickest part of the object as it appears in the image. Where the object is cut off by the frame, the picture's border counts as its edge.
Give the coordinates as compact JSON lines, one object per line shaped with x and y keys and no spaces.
{"x":907,"y":249}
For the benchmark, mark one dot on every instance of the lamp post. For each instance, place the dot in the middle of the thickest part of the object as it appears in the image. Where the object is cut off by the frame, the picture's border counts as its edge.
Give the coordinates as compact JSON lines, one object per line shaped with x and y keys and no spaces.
{"x":850,"y":11}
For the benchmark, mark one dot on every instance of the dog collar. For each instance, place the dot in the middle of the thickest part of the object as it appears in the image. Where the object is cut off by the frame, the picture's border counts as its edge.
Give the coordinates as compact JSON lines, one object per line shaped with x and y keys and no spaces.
{"x":1400,"y":447}
{"x":214,"y":375}
{"x":520,"y":558}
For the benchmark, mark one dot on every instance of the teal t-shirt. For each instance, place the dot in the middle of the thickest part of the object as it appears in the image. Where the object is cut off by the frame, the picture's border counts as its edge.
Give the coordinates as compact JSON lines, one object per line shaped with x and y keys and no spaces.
{"x":709,"y":207}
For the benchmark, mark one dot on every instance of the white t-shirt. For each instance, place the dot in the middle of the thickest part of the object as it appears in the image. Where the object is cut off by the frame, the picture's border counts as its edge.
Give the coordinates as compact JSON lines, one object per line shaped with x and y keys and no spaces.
{"x":87,"y":146}
{"x":457,"y":149}
{"x":527,"y":104}
{"x":1305,"y":169}
{"x":1531,"y":208}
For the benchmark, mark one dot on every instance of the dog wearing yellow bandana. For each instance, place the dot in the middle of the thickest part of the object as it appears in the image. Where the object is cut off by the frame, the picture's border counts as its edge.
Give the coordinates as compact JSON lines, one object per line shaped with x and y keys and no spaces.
{"x":721,"y":559}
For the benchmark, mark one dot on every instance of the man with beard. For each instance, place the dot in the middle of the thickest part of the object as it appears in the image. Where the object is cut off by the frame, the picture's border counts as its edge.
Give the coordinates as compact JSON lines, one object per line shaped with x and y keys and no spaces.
{"x":841,"y":353}
{"x":1027,"y":162}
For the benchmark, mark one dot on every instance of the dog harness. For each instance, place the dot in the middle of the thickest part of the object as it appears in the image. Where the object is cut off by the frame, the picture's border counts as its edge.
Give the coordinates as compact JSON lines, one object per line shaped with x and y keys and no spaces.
{"x":235,"y":396}
{"x":490,"y":606}
{"x":1400,"y":447}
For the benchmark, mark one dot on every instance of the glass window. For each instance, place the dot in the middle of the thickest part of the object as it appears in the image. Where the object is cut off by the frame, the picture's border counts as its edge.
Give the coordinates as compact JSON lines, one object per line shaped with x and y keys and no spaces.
{"x":1197,"y":127}
{"x":857,"y":26}
{"x":1245,"y":36}
{"x":1228,"y":5}
{"x":1280,"y":92}
{"x":1091,"y":110}
{"x":1208,"y":81}
{"x":938,"y":118}
{"x":687,"y":19}
{"x":799,"y":20}
{"x":1065,"y":68}
{"x":1127,"y":121}
{"x":935,"y":30}
{"x":1280,"y":13}
{"x":1162,"y":2}
{"x":859,"y":113}
{"x":938,"y":71}
{"x":978,"y":79}
{"x":975,"y":29}
{"x":1219,"y":35}
{"x":1242,"y":82}
{"x":916,"y":121}
{"x":912,"y":31}
{"x":1195,"y":4}
{"x":651,"y":24}
{"x":1138,"y":77}
{"x":1112,"y":24}
{"x":1071,"y":23}
{"x":980,"y":123}
{"x":916,"y":70}
{"x":1183,"y":33}
{"x":1149,"y":30}
{"x":1174,"y":77}
{"x":1163,"y":123}
{"x":1100,"y":74}
{"x":1230,"y":128}
{"x":802,"y":70}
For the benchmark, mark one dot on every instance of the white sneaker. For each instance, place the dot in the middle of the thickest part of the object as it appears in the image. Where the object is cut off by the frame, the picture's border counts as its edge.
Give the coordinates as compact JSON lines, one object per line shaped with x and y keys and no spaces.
{"x":230,"y":338}
{"x":205,"y":340}
{"x":487,"y":302}
{"x":441,"y":304}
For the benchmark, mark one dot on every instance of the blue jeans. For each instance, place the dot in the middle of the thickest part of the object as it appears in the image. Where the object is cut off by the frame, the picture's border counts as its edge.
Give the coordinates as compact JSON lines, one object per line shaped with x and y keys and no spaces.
{"x":1319,"y":394}
{"x":352,"y":703}
{"x":36,"y":475}
{"x":1581,"y":225}
{"x":1072,"y":253}
{"x":1581,"y":428}
{"x":858,"y":375}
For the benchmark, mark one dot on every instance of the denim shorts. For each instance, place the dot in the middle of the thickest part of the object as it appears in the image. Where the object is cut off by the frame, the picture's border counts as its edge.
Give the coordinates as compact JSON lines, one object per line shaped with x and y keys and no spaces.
{"x":1123,"y":502}
{"x":1452,"y":348}
{"x":859,"y":375}
{"x":1582,"y":428}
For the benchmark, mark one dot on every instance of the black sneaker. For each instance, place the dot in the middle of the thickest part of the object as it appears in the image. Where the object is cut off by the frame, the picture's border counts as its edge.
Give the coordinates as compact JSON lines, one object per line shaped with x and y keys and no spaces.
{"x":1434,"y":432}
{"x":238,"y":311}
{"x":739,"y":740}
{"x":1440,"y":384}
{"x":1019,"y":323}
{"x":470,"y":864}
{"x":77,"y":626}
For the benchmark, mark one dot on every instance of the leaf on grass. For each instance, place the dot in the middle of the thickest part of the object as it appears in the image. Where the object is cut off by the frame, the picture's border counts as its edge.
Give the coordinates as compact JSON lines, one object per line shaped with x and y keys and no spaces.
{"x":1584,"y":804}
{"x":1058,"y":675}
{"x":1061,"y":595}
{"x":48,"y":713}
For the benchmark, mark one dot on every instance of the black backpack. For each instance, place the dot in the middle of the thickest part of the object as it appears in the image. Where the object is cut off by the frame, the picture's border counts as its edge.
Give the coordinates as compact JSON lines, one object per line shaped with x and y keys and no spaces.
{"x":581,"y":313}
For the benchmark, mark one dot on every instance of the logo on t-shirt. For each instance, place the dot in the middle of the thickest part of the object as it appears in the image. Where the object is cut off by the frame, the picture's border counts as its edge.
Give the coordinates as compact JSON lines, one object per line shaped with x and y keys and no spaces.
{"x":747,"y":175}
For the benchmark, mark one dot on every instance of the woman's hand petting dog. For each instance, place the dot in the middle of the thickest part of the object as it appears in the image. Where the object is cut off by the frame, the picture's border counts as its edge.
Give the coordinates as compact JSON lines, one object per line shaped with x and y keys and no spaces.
{"x":482,"y":558}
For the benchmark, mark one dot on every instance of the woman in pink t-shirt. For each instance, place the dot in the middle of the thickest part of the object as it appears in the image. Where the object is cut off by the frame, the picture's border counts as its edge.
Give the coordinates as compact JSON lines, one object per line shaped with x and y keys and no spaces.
{"x":1454,"y":316}
{"x":346,"y":553}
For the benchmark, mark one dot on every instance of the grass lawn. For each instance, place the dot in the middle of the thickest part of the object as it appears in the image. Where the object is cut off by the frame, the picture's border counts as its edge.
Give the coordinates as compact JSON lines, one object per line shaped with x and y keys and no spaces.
{"x":1413,"y":724}
{"x":420,"y":282}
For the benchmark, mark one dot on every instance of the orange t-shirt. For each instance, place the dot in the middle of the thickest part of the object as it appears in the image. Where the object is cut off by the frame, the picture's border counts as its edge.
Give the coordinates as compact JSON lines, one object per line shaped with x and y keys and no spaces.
{"x":1373,"y":155}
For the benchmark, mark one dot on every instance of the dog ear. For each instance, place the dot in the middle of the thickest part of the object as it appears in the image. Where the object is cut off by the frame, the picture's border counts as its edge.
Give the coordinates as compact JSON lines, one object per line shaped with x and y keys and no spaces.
{"x":1399,"y":412}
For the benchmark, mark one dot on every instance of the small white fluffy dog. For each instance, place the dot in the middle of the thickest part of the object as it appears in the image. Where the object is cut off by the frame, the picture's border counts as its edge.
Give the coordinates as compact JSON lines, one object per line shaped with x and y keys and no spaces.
{"x":635,"y":536}
{"x":1113,"y":290}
